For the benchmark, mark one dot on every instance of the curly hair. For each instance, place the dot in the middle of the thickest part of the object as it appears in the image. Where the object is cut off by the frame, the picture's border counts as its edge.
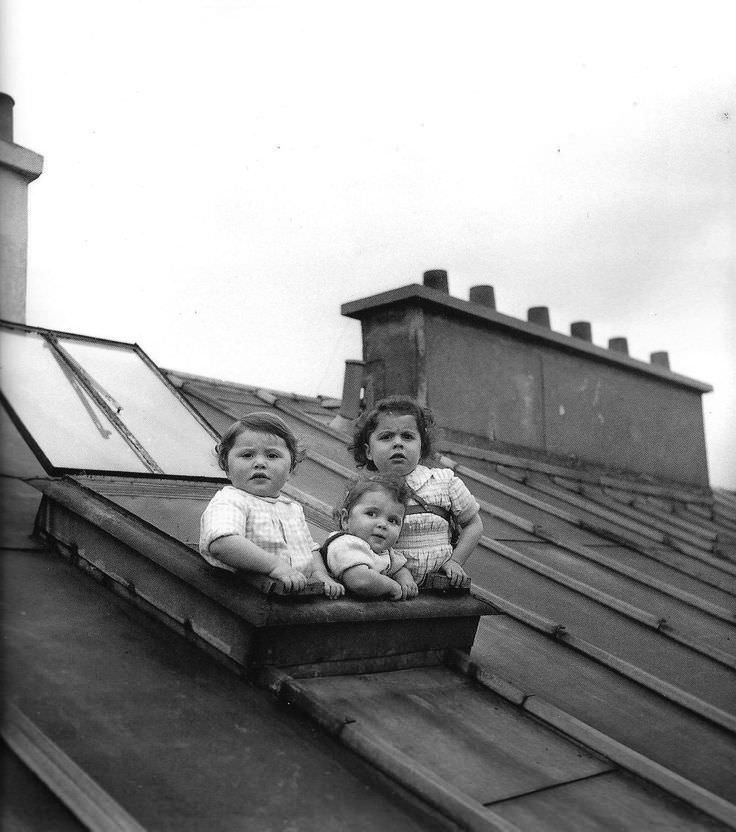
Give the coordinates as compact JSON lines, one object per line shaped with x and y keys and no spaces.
{"x":394,"y":406}
{"x":260,"y":422}
{"x":395,"y":487}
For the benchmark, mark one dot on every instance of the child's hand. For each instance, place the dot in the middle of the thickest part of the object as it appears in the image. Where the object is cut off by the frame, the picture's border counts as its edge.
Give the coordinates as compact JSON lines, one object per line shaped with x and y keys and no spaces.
{"x":454,"y":572}
{"x":396,"y":593}
{"x":409,"y":588}
{"x":333,"y":588}
{"x":291,"y":578}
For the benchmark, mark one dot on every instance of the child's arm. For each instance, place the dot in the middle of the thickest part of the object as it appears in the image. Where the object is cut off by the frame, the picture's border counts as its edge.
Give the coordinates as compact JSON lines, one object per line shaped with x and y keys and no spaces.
{"x":333,"y":588}
{"x":239,"y":552}
{"x":470,"y":534}
{"x":366,"y":582}
{"x":404,"y":579}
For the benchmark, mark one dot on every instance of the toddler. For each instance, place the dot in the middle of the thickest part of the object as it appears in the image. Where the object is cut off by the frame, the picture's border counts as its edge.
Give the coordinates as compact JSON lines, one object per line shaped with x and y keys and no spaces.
{"x":361,"y":555}
{"x":250,"y":525}
{"x":392,"y":438}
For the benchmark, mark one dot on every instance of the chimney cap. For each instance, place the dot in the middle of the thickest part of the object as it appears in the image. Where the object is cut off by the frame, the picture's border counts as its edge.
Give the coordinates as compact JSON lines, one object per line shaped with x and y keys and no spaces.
{"x":582,"y":330}
{"x":483,"y":294}
{"x":539,"y":315}
{"x":437,"y":279}
{"x":618,"y":345}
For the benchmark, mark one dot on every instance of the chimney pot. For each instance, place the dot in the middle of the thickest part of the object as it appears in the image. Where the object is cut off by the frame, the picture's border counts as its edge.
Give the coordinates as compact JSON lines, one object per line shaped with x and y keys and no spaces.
{"x":618,"y":345}
{"x":437,"y":279}
{"x":661,"y":359}
{"x":6,"y":117}
{"x":539,"y":315}
{"x":582,"y":330}
{"x":351,"y":387}
{"x":483,"y":295}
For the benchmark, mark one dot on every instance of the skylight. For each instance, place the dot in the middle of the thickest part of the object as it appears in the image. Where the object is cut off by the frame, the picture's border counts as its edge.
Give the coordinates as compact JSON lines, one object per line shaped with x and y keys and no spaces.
{"x":85,"y":404}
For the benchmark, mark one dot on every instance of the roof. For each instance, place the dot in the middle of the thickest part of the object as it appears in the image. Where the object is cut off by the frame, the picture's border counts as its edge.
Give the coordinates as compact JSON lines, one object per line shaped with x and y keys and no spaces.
{"x":629,"y":585}
{"x":601,"y":691}
{"x":232,"y":395}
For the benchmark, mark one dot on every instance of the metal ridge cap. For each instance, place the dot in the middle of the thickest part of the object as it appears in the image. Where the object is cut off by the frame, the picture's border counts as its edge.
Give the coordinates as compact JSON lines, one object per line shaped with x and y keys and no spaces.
{"x":531,"y":331}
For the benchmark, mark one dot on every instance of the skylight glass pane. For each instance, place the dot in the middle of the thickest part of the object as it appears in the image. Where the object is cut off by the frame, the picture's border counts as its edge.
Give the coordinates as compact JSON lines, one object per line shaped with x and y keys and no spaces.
{"x":69,"y":428}
{"x":178,"y":442}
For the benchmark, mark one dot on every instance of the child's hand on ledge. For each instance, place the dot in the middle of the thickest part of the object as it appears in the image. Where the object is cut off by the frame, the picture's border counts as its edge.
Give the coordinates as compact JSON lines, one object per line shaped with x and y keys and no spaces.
{"x":397,"y":592}
{"x":454,"y":572}
{"x":333,"y":588}
{"x":291,"y":578}
{"x":409,"y":588}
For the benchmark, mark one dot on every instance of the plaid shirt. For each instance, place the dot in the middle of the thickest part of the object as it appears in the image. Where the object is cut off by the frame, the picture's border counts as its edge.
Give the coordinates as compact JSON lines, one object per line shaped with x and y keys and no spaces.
{"x":424,"y":539}
{"x":276,"y":524}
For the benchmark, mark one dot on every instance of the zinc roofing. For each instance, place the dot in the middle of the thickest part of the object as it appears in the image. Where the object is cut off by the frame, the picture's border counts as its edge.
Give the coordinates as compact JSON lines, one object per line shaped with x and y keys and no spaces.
{"x":601,"y":691}
{"x":619,"y":595}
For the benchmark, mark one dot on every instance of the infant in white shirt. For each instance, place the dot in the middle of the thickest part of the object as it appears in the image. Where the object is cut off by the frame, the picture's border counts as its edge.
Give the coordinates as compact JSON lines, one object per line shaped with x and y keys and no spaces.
{"x":360,"y":554}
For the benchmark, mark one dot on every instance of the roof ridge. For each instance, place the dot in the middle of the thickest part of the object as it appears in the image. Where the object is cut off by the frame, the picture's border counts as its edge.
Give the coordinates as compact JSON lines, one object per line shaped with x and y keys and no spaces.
{"x":334,"y":402}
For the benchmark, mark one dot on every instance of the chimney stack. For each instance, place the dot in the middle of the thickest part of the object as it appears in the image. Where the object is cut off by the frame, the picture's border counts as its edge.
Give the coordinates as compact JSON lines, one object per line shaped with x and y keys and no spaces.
{"x":18,"y":168}
{"x":500,"y":382}
{"x":661,"y":359}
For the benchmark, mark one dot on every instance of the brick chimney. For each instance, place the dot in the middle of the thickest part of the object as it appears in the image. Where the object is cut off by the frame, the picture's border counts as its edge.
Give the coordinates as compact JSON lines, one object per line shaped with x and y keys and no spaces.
{"x":18,"y":168}
{"x":497,"y":381}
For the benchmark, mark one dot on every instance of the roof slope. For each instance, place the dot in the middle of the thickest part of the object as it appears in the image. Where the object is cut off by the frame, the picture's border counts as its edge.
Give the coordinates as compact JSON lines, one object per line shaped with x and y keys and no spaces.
{"x":619,"y":596}
{"x":612,"y":653}
{"x":166,"y":732}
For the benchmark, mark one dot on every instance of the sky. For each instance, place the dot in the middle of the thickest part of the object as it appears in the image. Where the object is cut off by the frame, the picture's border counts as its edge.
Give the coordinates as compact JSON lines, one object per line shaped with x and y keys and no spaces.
{"x":221,"y":175}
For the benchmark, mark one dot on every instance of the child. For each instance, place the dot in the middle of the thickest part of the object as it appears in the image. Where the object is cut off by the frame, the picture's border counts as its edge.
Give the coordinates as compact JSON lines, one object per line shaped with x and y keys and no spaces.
{"x":250,"y":525}
{"x":392,"y":438}
{"x":360,"y":555}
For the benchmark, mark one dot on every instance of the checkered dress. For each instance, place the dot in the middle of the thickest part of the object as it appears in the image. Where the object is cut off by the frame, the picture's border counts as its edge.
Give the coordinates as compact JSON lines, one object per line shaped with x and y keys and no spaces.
{"x":424,"y":540}
{"x":276,"y":524}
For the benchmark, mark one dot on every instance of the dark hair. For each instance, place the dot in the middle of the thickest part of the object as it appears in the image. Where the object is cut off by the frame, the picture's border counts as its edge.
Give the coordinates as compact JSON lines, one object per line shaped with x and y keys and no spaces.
{"x":395,"y":487}
{"x":395,"y":406}
{"x":260,"y":422}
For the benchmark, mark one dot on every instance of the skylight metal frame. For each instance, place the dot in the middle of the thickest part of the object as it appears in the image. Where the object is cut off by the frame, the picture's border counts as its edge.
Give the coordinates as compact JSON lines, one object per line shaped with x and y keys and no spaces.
{"x":90,"y":387}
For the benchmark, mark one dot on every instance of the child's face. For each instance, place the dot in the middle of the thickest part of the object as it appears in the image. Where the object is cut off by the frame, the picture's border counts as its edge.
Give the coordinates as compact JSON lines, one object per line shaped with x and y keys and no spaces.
{"x":395,"y":445}
{"x":375,"y":518}
{"x":259,"y":463}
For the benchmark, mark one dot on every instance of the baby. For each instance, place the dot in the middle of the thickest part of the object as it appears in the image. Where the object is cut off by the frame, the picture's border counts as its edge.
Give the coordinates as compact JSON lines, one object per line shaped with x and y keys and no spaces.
{"x":360,"y":555}
{"x":250,"y":525}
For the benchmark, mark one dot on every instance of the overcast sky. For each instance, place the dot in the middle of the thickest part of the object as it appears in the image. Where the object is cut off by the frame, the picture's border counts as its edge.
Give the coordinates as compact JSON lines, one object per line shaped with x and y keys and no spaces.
{"x":221,"y":175}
